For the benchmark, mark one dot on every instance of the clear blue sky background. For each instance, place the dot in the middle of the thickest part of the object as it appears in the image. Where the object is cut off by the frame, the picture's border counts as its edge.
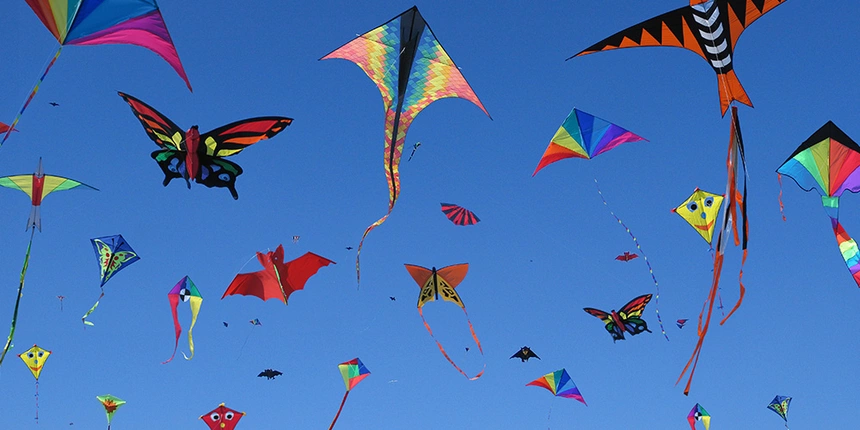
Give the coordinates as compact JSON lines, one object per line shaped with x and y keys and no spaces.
{"x":544,"y":249}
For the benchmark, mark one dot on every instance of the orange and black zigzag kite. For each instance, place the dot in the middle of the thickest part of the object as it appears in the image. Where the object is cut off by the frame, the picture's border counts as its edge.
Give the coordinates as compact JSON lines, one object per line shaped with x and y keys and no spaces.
{"x":710,"y":28}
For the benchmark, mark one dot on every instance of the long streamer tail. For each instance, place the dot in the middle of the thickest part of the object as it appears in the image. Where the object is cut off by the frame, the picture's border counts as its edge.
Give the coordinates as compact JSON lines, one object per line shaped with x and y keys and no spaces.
{"x":18,"y":300}
{"x":342,"y":402}
{"x":32,"y":94}
{"x":92,"y":309}
{"x":644,"y":257}
{"x":445,"y":354}
{"x":848,"y":249}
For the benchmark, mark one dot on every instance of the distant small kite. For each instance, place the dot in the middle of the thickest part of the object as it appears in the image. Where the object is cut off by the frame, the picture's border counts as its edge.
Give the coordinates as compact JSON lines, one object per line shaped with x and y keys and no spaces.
{"x":681,"y":322}
{"x":524,"y":354}
{"x":459,"y":215}
{"x":269,"y":374}
{"x":626,"y":256}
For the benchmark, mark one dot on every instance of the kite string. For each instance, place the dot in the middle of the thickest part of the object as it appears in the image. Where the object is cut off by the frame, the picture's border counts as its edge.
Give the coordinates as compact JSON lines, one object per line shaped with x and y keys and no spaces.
{"x":644,"y":257}
{"x":32,"y":94}
{"x":37,"y":401}
{"x":18,"y":299}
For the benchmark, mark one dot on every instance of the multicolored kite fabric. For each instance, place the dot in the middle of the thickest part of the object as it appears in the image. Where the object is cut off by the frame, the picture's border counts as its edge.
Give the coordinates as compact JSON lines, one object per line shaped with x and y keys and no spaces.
{"x":37,"y":186}
{"x":583,"y":135}
{"x":442,"y":282}
{"x":101,"y":22}
{"x":459,"y":215}
{"x":353,"y":372}
{"x":184,"y":291}
{"x":111,"y":404}
{"x":700,"y":210}
{"x":410,"y":67}
{"x":698,"y":413}
{"x":734,"y":224}
{"x":828,"y":162}
{"x":113,"y":254}
{"x":560,"y":385}
{"x":709,"y":28}
{"x":222,"y":418}
{"x":780,"y":404}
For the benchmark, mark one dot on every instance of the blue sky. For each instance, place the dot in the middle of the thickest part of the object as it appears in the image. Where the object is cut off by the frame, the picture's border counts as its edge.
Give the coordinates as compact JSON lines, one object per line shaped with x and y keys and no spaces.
{"x":544,"y":249}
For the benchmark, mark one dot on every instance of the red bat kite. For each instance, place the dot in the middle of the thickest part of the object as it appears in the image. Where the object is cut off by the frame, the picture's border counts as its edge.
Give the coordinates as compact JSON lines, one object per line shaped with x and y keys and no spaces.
{"x":626,"y":256}
{"x":277,"y":280}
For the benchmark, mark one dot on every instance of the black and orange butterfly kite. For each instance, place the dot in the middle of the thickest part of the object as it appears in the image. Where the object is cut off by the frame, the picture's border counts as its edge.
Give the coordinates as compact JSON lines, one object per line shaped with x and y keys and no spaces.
{"x":199,"y":157}
{"x":709,"y":28}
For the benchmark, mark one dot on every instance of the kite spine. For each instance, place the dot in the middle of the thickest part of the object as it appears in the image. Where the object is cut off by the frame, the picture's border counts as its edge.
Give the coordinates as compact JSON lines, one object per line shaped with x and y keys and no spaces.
{"x":644,"y":257}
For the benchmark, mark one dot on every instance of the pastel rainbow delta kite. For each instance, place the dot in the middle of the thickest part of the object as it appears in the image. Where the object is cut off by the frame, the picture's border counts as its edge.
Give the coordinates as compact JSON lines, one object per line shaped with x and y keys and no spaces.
{"x":828,"y":162}
{"x":410,"y":67}
{"x":101,"y":22}
{"x":708,"y":28}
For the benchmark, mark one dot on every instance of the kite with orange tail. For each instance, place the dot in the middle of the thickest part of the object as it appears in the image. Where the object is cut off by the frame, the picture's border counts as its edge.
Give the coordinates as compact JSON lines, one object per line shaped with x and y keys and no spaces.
{"x":734,"y":212}
{"x":709,"y":28}
{"x":442,"y":282}
{"x":410,"y":67}
{"x":829,"y":163}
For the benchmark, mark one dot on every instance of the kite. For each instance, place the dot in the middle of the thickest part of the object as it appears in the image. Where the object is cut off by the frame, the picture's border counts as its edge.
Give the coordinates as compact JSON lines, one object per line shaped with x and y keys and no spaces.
{"x":353,"y":372}
{"x":199,"y":157}
{"x":628,"y":318}
{"x":709,"y":28}
{"x":681,"y":322}
{"x":185,"y":291}
{"x":443,"y":282}
{"x":255,"y":321}
{"x":61,"y":302}
{"x":414,"y":148}
{"x":225,"y":323}
{"x":698,"y":413}
{"x":113,"y":254}
{"x":269,"y":374}
{"x":37,"y":185}
{"x":559,"y":384}
{"x":779,"y":404}
{"x":524,"y":354}
{"x":410,"y":67}
{"x":111,"y":404}
{"x":277,"y":280}
{"x":35,"y":359}
{"x":392,"y":298}
{"x":828,"y":162}
{"x":700,"y":210}
{"x":733,"y":213}
{"x":98,"y":22}
{"x":459,"y":215}
{"x":54,"y":104}
{"x":222,"y":418}
{"x":627,"y":256}
{"x":583,"y":135}
{"x":296,"y":239}
{"x":4,"y":128}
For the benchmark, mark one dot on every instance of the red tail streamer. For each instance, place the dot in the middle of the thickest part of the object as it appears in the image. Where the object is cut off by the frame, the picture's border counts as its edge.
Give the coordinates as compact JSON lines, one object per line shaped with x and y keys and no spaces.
{"x":442,"y":349}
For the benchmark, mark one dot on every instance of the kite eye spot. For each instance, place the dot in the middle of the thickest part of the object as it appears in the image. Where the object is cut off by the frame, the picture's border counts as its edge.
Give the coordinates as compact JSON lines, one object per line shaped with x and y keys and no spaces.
{"x":30,"y":355}
{"x":228,"y":416}
{"x":215,"y":416}
{"x":224,"y":177}
{"x":41,"y":353}
{"x":709,"y":202}
{"x":692,"y":206}
{"x":173,"y":165}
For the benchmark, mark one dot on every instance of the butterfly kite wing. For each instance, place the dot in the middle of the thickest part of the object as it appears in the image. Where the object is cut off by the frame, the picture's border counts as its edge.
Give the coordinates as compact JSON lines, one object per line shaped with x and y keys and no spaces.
{"x":164,"y":132}
{"x":218,"y":172}
{"x":459,"y":215}
{"x":613,"y":328}
{"x":631,"y":315}
{"x":234,"y":137}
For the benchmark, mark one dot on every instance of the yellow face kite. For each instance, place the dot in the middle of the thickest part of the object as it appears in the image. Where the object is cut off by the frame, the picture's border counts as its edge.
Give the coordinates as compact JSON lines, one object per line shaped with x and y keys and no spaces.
{"x":35,"y":358}
{"x":700,"y":211}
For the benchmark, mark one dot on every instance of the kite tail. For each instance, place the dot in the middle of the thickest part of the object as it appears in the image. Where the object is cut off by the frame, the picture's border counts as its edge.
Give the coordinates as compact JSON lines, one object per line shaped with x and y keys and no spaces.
{"x":92,"y":309}
{"x":342,"y":402}
{"x":445,"y":354}
{"x":548,"y":416}
{"x":848,"y":249}
{"x":37,"y":401}
{"x":30,"y":97}
{"x":195,"y":309}
{"x":781,"y":205}
{"x":177,"y":328}
{"x":644,"y":257}
{"x":17,"y":300}
{"x":361,"y":243}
